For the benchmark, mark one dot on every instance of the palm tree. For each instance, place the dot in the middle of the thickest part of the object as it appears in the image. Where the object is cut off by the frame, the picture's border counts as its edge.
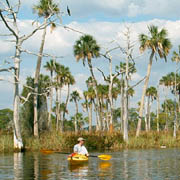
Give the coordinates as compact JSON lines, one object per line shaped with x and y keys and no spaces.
{"x":103,"y":95}
{"x":167,"y":81}
{"x":80,"y":120}
{"x":151,"y":93}
{"x":68,"y":80}
{"x":57,"y":84}
{"x":27,"y":109}
{"x":86,"y":48}
{"x":158,"y":44}
{"x":50,"y":66}
{"x":61,"y":79}
{"x":176,"y":58}
{"x":169,"y":107}
{"x":75,"y":97}
{"x":45,"y":9}
{"x":89,"y":96}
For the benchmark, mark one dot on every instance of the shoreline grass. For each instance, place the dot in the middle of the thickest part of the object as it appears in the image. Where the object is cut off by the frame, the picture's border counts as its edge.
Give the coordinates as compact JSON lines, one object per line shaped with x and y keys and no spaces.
{"x":97,"y":141}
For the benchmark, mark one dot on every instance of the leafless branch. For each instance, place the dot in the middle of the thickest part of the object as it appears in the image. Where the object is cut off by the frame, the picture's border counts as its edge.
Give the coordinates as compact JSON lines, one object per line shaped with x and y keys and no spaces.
{"x":72,"y":29}
{"x":11,"y":10}
{"x":40,"y":27}
{"x":25,"y":99}
{"x":7,"y":69}
{"x":138,"y":82}
{"x":105,"y":79}
{"x":42,"y":55}
{"x":7,"y":25}
{"x":6,"y":34}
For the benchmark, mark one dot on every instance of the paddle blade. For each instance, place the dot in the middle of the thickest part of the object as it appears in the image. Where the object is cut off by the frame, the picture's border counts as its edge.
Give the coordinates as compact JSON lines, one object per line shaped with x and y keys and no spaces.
{"x":46,"y":151}
{"x":104,"y":157}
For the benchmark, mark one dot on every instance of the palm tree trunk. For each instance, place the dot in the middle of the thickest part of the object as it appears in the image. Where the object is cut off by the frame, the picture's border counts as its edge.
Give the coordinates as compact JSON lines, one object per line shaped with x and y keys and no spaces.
{"x":64,"y":112}
{"x":18,"y":144}
{"x":143,"y":94}
{"x":50,"y":104}
{"x":175,"y":112}
{"x":96,"y":93}
{"x":175,"y":120}
{"x":146,"y":114}
{"x":97,"y":119}
{"x":149,"y":116}
{"x":75,"y":123}
{"x":57,"y":109}
{"x":178,"y":101}
{"x":90,"y":117}
{"x":166,"y":110}
{"x":36,"y":79}
{"x":158,"y":108}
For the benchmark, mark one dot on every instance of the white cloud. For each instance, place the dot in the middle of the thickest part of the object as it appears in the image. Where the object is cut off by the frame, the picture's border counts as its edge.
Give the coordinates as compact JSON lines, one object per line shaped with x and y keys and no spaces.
{"x":61,"y":41}
{"x":136,"y":77}
{"x":116,"y":8}
{"x":163,"y":8}
{"x":133,"y":10}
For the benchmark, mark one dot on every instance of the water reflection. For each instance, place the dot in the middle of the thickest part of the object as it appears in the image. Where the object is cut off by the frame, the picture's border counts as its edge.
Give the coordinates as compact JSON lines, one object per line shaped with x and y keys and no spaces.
{"x":18,"y":165}
{"x":31,"y":166}
{"x":105,"y":169}
{"x":128,"y":164}
{"x":79,"y":170}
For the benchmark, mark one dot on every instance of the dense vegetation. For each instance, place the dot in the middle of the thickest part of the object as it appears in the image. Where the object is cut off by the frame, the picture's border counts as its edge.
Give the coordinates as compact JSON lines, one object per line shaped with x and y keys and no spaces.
{"x":42,"y":111}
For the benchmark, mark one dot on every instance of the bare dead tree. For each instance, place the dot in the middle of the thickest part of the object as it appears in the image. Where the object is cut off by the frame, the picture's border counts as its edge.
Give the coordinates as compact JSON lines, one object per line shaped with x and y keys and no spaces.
{"x":8,"y":16}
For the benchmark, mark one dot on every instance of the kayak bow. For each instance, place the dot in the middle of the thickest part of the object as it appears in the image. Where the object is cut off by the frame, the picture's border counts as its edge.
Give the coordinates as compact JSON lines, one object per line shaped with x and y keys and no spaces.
{"x":77,"y":159}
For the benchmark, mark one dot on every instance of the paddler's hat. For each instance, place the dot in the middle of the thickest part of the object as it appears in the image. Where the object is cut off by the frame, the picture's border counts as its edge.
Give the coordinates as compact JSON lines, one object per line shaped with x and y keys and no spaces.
{"x":81,"y":139}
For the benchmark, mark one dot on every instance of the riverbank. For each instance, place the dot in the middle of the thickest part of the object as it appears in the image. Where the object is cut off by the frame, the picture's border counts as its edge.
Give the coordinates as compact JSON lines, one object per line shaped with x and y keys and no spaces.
{"x":95,"y":141}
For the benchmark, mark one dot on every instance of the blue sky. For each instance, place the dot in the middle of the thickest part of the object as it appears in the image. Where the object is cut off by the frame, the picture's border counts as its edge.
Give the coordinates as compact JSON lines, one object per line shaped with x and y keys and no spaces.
{"x":105,"y":20}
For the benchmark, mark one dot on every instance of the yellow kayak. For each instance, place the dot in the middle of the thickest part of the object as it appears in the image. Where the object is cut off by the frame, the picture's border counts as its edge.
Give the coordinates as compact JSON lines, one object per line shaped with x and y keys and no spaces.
{"x":77,"y":159}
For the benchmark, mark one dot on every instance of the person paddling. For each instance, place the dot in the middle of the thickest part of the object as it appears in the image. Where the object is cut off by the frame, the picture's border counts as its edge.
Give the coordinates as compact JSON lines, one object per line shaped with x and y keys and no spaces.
{"x":80,"y":148}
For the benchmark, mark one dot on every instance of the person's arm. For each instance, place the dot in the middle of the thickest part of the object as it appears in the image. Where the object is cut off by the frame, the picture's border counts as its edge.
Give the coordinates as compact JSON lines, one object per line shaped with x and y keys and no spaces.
{"x":86,"y":152}
{"x":76,"y":149}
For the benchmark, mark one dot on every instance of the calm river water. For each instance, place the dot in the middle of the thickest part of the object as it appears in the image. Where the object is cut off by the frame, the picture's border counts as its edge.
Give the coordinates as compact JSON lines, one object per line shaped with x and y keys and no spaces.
{"x":161,"y":164}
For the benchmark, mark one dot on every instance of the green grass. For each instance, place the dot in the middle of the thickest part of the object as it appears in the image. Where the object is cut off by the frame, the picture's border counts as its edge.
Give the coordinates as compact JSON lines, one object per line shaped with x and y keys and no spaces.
{"x":6,"y":143}
{"x":99,"y":141}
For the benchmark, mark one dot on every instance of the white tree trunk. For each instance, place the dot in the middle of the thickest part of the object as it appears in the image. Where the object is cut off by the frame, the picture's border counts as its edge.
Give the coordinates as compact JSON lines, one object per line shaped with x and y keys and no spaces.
{"x":125,"y":132}
{"x":18,"y":144}
{"x":110,"y":96}
{"x":122,"y":106}
{"x":18,"y":165}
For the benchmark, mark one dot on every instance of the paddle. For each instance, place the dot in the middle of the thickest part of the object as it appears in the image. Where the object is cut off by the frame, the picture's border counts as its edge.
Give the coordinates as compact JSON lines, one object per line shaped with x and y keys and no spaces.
{"x":104,"y":157}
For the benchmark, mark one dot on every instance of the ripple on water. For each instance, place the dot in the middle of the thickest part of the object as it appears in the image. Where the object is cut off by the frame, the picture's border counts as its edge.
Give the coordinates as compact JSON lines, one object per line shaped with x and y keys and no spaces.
{"x":156,"y":164}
